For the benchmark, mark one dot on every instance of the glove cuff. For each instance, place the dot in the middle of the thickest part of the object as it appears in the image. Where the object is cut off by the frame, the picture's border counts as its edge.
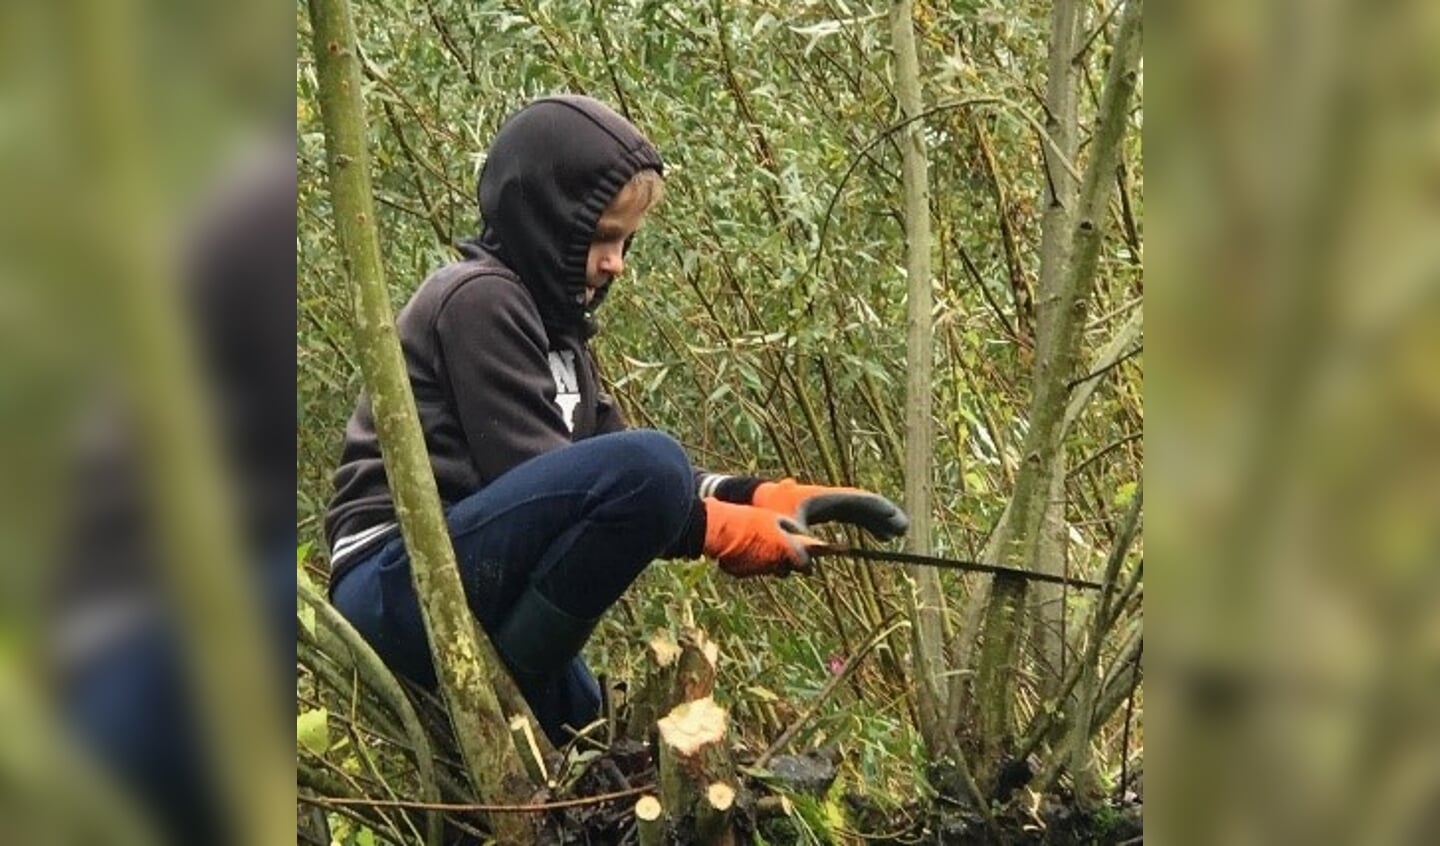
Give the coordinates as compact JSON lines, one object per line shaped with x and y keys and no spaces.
{"x":739,"y":490}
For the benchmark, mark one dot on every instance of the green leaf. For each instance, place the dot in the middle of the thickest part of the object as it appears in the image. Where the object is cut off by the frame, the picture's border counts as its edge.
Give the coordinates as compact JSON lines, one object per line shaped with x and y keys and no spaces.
{"x":1125,"y":493}
{"x":764,"y":694}
{"x":312,"y":730}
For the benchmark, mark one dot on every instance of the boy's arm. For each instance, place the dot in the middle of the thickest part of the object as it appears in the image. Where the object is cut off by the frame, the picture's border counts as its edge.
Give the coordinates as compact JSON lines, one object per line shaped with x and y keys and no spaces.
{"x":494,"y":357}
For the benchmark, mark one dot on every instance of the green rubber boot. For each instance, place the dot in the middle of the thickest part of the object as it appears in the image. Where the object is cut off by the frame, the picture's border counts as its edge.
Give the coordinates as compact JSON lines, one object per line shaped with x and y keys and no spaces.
{"x":541,"y":645}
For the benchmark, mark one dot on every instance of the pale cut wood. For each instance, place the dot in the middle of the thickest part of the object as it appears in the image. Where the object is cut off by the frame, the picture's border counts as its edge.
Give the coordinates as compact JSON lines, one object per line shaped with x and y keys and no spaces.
{"x":721,"y":796}
{"x":649,"y":825}
{"x":681,"y":670}
{"x":695,"y":669}
{"x":663,"y":649}
{"x":712,"y":816}
{"x":694,"y":755}
{"x":524,"y":736}
{"x":691,"y":727}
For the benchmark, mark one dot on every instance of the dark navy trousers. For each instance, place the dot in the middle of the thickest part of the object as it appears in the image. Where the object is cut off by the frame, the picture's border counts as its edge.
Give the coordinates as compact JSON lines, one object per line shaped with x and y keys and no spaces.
{"x":578,"y":524}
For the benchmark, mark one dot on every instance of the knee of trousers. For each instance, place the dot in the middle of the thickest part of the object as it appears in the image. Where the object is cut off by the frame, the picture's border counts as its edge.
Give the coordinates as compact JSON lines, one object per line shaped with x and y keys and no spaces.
{"x":655,"y":474}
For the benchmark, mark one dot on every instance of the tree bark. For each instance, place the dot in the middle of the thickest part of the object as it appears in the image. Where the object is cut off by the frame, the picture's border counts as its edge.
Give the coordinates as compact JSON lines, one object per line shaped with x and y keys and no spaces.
{"x":1061,"y":119}
{"x":1087,"y":787}
{"x":1055,"y":363}
{"x":465,"y":661}
{"x":925,"y":599}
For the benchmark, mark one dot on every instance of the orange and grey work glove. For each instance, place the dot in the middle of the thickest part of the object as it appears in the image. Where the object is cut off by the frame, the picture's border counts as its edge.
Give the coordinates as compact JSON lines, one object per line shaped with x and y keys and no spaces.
{"x":808,"y":505}
{"x":750,"y":541}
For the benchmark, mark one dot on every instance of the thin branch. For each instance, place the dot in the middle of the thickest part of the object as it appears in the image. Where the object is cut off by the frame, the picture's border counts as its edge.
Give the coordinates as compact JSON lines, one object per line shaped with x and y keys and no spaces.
{"x":1099,"y":28}
{"x":886,"y":629}
{"x":1074,"y":383}
{"x":597,"y":23}
{"x":1105,"y":450}
{"x":379,"y":679}
{"x":1045,"y":721}
{"x":538,"y":807}
{"x":1103,"y":617}
{"x":1127,"y":214}
{"x":885,"y":133}
{"x":974,"y":274}
{"x":466,"y":65}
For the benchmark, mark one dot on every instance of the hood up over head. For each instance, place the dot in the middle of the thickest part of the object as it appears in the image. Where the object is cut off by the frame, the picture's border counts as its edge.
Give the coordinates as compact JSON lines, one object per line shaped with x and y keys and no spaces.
{"x":553,"y":168}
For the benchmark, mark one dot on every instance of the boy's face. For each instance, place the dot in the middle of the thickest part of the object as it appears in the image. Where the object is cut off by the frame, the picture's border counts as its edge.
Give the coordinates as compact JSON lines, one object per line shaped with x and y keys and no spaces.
{"x":607,"y":249}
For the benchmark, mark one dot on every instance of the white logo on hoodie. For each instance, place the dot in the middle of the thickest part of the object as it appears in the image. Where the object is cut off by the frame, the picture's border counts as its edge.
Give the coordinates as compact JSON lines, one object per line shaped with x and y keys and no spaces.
{"x":567,"y":385}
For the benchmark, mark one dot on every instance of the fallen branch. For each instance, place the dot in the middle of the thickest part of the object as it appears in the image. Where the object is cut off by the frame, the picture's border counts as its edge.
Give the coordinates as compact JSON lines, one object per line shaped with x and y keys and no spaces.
{"x":538,"y":807}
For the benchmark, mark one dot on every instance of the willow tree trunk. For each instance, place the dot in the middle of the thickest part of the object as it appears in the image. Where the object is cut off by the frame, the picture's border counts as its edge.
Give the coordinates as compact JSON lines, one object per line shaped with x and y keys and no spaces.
{"x":1061,"y":119}
{"x":201,"y":560}
{"x":926,"y":600}
{"x":466,"y":663}
{"x":1055,"y":364}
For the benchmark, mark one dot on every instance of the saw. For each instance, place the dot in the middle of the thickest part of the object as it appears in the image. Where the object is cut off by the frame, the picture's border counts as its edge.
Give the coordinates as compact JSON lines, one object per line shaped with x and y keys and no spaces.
{"x":954,"y":564}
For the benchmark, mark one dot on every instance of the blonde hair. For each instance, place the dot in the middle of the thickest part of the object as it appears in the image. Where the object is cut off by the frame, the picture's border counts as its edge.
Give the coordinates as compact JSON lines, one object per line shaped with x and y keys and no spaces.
{"x":646,"y":187}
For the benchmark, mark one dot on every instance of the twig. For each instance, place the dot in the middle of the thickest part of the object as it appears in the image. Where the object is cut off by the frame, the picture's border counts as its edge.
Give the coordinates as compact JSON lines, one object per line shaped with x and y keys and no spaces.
{"x":1073,"y":383}
{"x":597,"y":18}
{"x":467,"y":806}
{"x":839,"y":678}
{"x":990,"y":300}
{"x":1106,"y":450}
{"x":466,"y":65}
{"x":1103,"y":616}
{"x":885,"y":133}
{"x":378,"y":678}
{"x":1099,"y":28}
{"x":1125,"y":738}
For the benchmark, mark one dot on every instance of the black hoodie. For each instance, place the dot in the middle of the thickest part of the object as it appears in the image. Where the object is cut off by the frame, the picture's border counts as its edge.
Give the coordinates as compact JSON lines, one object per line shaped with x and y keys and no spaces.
{"x":495,"y":344}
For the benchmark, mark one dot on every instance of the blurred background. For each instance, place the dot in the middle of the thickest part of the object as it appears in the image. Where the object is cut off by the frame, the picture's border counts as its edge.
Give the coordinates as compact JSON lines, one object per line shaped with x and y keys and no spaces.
{"x":146,"y":422}
{"x":1294,"y":432}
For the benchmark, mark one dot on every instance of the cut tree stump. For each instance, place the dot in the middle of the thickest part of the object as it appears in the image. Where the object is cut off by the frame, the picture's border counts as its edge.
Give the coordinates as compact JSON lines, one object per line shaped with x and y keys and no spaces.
{"x":649,"y":825}
{"x":712,"y":816}
{"x":697,"y":772}
{"x":680,"y":671}
{"x":695,"y":670}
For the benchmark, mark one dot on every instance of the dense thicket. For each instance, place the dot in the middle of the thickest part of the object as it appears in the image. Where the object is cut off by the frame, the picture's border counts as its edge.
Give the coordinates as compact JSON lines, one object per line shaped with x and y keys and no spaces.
{"x":762,"y":321}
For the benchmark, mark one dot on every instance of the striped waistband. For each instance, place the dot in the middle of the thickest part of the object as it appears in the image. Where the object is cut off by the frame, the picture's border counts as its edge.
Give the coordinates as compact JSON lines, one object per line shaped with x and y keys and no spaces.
{"x":348,"y":545}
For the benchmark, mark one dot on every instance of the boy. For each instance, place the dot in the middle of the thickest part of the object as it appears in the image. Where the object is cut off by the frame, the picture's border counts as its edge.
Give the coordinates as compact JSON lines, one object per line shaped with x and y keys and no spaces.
{"x":553,"y":506}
